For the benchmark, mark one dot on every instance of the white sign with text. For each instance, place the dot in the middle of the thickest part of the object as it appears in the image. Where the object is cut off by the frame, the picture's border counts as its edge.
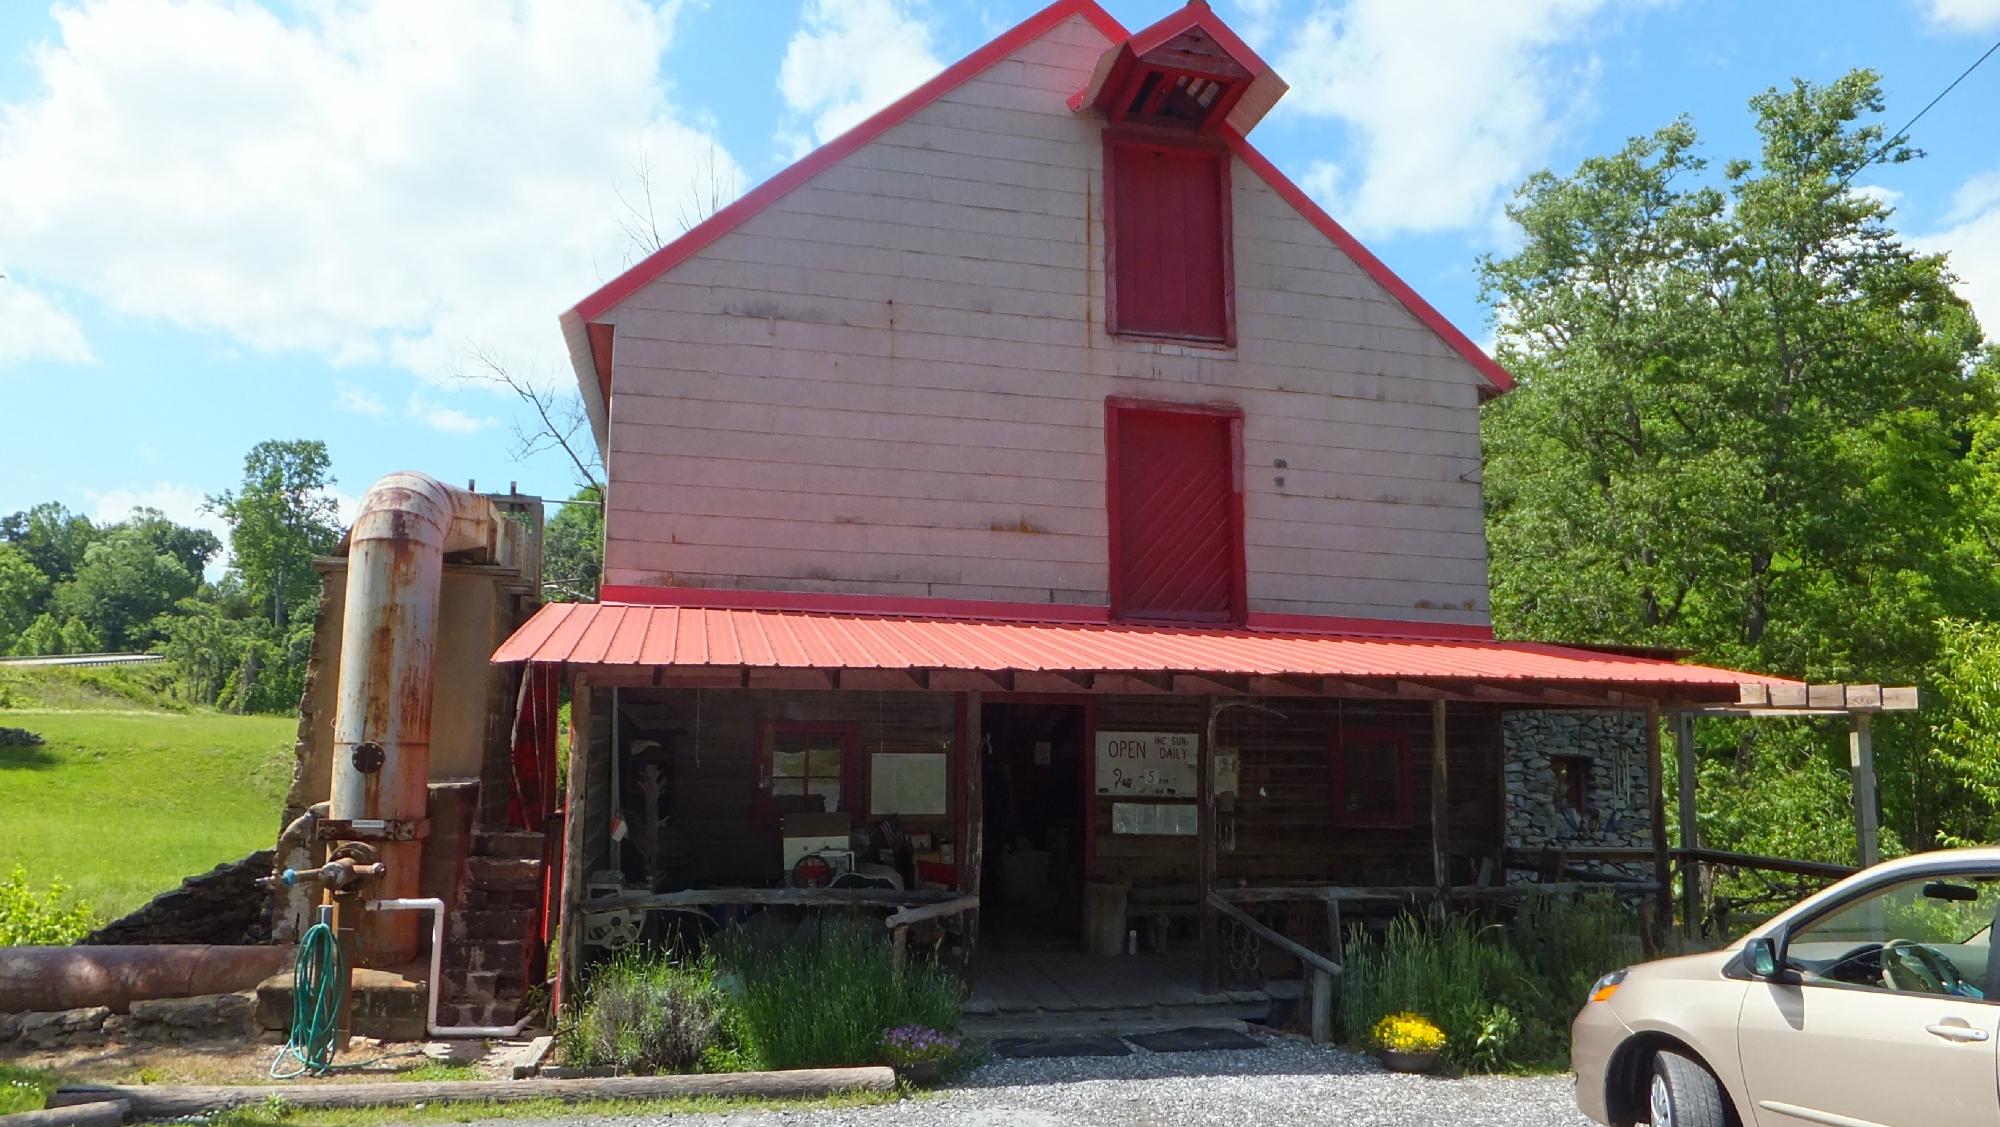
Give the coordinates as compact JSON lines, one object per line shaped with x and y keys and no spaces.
{"x":1158,"y":764}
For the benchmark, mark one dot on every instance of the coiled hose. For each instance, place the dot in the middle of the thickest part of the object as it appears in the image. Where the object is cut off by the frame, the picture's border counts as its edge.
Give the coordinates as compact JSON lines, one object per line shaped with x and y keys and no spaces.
{"x":317,"y":976}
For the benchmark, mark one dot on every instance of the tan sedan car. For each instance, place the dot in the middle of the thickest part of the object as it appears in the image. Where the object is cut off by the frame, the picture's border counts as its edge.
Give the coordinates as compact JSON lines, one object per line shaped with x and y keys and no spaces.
{"x":1875,"y":1003}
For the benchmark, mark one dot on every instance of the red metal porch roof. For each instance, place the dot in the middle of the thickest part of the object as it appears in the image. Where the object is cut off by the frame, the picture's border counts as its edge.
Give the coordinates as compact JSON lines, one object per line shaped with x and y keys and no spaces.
{"x":629,"y":634}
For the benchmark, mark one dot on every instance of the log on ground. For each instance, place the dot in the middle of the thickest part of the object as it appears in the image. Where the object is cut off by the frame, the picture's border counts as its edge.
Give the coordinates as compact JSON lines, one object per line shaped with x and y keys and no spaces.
{"x":163,"y":1101}
{"x":101,"y":1113}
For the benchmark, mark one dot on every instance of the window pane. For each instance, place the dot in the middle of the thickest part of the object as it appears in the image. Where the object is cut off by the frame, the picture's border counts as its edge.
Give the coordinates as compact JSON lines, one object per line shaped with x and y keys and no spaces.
{"x":788,"y":764}
{"x":1928,"y":935}
{"x":829,"y":792}
{"x":824,"y":762}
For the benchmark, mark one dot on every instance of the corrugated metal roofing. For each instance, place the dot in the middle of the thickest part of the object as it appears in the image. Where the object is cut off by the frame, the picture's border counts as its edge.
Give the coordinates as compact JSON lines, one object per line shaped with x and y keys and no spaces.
{"x":629,"y":634}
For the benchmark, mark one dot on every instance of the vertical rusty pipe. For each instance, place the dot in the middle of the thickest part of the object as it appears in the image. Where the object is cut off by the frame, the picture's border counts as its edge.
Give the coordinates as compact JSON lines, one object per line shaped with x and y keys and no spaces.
{"x":382,"y":717}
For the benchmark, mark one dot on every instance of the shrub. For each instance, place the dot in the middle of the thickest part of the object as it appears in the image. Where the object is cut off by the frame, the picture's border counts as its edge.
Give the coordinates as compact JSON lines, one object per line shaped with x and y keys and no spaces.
{"x":1503,"y":996}
{"x":24,"y":1089}
{"x":823,"y":993}
{"x":646,"y":1014}
{"x":28,"y":919}
{"x":1407,"y":1033}
{"x":906,"y":1045}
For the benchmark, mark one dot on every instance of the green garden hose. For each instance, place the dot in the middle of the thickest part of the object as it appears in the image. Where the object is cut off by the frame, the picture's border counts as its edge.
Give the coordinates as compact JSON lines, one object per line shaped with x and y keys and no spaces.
{"x":317,"y":976}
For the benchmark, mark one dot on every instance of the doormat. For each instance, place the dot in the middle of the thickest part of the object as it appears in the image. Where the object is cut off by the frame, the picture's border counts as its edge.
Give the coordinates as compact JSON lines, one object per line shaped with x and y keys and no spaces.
{"x":1039,"y":1048}
{"x":1194,"y":1039}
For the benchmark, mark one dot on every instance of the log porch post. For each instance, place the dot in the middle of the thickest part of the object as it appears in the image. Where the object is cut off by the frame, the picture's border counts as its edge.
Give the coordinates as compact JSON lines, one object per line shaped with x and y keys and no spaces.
{"x":1690,"y":832}
{"x":1440,"y":802}
{"x":1861,"y":760}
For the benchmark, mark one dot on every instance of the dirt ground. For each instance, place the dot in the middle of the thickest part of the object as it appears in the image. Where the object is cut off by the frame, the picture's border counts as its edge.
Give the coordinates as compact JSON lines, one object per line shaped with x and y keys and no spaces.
{"x":241,"y":1062}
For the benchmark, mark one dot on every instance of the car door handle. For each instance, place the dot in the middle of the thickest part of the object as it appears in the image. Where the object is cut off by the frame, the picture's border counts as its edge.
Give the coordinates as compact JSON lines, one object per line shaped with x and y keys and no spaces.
{"x":1955,"y":1031}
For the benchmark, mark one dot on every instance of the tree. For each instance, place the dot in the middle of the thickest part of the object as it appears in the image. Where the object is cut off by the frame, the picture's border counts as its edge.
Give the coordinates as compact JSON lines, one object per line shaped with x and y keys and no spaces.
{"x":1743,"y":417}
{"x":192,"y":548}
{"x":573,"y":549}
{"x":53,"y":538}
{"x":23,"y":592}
{"x":279,"y":520}
{"x":122,"y":586}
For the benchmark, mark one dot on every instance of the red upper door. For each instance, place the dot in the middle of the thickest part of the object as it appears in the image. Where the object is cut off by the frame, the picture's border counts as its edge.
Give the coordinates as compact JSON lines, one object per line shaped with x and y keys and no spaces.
{"x":1176,"y":507}
{"x":1168,"y":241}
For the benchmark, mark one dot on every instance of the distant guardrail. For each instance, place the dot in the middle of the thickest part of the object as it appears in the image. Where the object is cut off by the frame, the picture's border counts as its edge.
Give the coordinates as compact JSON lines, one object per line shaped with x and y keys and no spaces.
{"x":81,"y":659}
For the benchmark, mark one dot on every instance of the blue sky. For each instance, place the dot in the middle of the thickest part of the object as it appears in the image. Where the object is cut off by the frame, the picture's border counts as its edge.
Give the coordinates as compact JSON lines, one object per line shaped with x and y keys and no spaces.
{"x":221,"y":222}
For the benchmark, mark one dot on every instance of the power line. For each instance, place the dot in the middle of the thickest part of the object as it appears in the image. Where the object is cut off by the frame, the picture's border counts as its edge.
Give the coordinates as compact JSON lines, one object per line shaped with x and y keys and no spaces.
{"x":1902,"y":134}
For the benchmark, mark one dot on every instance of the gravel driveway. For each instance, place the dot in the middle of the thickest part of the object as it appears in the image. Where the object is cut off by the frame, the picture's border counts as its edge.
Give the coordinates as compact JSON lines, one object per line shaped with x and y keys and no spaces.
{"x":1284,"y":1081}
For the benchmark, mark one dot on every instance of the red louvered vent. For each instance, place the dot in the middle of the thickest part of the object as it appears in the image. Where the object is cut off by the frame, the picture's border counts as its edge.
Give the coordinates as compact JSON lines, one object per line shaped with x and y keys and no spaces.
{"x":1176,"y":511}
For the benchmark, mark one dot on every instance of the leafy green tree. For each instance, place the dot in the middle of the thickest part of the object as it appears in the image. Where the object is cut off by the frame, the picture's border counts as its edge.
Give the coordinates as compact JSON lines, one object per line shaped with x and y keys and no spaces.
{"x":122,"y":586}
{"x":1743,"y":421}
{"x":48,"y":634}
{"x":23,"y":592}
{"x":191,"y":547}
{"x":201,"y":642}
{"x":53,"y":538}
{"x":279,"y":520}
{"x":573,"y":549}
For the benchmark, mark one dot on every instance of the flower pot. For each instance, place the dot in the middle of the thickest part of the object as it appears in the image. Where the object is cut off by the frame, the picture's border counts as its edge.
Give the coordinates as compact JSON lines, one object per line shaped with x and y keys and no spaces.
{"x":1407,"y":1062}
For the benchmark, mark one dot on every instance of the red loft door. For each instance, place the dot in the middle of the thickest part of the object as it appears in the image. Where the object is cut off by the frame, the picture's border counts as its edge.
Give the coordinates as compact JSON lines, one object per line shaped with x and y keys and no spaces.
{"x":1176,"y":514}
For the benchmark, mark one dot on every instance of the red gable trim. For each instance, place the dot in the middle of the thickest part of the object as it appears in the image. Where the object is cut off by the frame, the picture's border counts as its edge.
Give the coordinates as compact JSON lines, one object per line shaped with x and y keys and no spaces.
{"x":1198,"y":15}
{"x":824,"y":157}
{"x":1291,"y":193}
{"x":996,"y":611}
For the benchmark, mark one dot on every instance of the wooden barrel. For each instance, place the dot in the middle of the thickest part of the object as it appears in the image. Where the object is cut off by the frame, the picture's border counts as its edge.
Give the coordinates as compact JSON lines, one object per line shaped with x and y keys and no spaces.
{"x":1104,"y":917}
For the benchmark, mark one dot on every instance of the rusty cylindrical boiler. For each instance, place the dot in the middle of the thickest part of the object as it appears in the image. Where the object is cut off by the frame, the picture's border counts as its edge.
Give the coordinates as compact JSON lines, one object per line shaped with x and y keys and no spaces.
{"x":382,"y":718}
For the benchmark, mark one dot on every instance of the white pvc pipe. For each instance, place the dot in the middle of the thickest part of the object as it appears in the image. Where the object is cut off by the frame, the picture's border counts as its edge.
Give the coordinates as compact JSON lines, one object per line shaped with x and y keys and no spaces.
{"x":436,"y":908}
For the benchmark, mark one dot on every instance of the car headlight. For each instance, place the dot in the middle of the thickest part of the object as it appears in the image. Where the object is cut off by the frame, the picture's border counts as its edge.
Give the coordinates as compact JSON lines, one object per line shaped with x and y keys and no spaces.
{"x":1604,"y":988}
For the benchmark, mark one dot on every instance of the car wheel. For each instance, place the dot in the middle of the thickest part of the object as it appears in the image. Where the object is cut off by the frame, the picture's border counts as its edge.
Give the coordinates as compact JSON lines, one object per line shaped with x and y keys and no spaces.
{"x":1684,"y":1094}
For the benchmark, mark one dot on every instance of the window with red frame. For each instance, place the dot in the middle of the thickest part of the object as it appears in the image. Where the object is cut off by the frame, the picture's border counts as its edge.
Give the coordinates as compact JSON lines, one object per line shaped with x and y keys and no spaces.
{"x":1371,"y":777}
{"x":1167,"y":252}
{"x":811,"y":768}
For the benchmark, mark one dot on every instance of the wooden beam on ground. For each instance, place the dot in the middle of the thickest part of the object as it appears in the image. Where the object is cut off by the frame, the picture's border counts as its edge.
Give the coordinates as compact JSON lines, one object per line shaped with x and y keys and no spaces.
{"x":173,"y":1101}
{"x":101,"y":1113}
{"x":1684,"y":765}
{"x":1861,"y":762}
{"x":1440,"y":799}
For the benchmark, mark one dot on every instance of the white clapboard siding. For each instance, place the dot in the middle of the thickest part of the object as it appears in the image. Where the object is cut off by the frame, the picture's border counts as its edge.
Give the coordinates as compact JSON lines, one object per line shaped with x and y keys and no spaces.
{"x":892,"y":381}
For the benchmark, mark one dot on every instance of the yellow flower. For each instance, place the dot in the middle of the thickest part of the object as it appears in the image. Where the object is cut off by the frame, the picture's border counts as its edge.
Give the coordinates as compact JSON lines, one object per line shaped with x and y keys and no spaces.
{"x":1407,"y":1033}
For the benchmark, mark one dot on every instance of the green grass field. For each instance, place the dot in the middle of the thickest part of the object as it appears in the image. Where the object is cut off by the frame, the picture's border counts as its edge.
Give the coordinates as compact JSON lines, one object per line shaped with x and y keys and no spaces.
{"x":120,"y":804}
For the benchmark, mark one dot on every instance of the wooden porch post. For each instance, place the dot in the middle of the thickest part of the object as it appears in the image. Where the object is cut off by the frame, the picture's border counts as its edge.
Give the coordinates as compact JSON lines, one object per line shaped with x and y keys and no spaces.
{"x":1440,"y":802}
{"x":1861,"y":759}
{"x":1690,"y":831}
{"x":571,"y":890}
{"x":1656,"y":785}
{"x":1211,"y":922}
{"x":971,"y":851}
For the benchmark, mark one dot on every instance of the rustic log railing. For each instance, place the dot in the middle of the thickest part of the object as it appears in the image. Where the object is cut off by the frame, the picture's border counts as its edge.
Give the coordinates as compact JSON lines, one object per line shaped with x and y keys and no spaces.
{"x":1323,"y":970}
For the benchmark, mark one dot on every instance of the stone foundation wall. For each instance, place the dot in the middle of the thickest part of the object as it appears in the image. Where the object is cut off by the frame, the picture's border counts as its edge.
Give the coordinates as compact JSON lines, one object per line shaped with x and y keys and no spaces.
{"x":222,"y":906}
{"x":1617,"y":809}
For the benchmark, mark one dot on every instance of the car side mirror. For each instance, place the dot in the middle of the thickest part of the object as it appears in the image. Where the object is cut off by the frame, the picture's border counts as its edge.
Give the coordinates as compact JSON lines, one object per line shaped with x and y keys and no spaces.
{"x":1761,"y":959}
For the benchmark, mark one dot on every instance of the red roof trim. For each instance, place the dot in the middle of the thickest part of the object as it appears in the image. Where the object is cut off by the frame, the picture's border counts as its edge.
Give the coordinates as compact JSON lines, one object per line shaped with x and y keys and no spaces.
{"x":1292,"y":194}
{"x":1199,"y":15}
{"x":820,"y":159}
{"x":996,"y":611}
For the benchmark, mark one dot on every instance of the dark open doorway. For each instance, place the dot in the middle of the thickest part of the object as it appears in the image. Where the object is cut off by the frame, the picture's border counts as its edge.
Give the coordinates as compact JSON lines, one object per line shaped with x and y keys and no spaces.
{"x":1032,"y":780}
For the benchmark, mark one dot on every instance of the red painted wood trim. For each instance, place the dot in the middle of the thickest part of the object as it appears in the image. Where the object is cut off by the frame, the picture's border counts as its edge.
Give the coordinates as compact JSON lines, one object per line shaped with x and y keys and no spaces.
{"x":1150,"y":38}
{"x":961,"y":813}
{"x":1142,"y":137}
{"x":1114,"y":546}
{"x":824,"y":157}
{"x":1405,"y":813}
{"x":1114,"y":407}
{"x":894,"y":606}
{"x":601,"y":340}
{"x":1291,"y":193}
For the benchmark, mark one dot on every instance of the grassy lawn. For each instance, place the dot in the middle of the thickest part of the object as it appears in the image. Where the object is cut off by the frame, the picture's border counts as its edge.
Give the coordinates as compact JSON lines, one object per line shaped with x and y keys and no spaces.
{"x":120,"y":805}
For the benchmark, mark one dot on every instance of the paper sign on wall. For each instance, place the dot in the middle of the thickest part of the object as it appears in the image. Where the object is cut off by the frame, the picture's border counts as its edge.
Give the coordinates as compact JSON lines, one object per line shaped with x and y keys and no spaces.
{"x":1155,"y":764}
{"x":907,"y":783}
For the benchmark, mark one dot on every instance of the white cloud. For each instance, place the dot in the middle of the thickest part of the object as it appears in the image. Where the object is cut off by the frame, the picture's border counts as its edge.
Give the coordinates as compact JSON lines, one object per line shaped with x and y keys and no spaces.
{"x":1972,"y":239}
{"x":34,"y":328}
{"x":1964,"y":15}
{"x":1257,"y":21}
{"x":850,"y":58}
{"x":1447,"y":105}
{"x":450,"y":420}
{"x":357,"y":401}
{"x":367,"y":181}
